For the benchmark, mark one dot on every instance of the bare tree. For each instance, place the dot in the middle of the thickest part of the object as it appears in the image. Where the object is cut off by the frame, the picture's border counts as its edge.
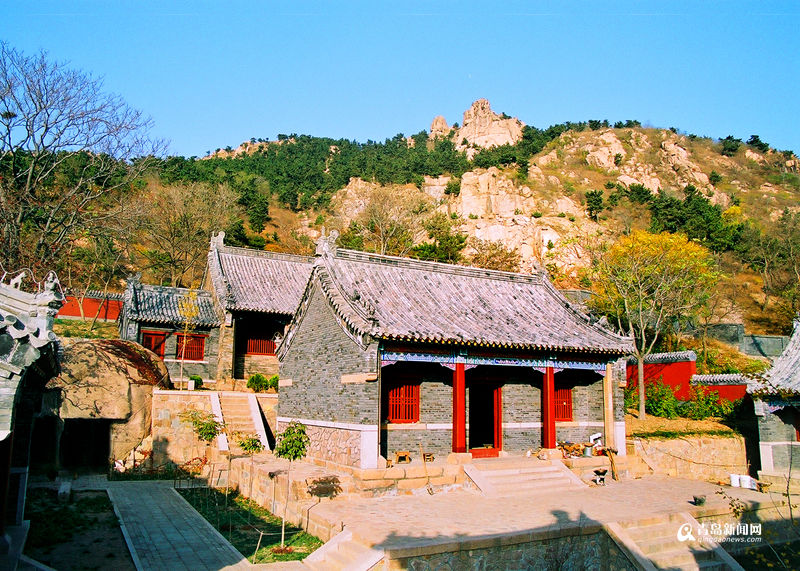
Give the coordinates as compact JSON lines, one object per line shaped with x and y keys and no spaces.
{"x":67,"y":151}
{"x":388,"y":220}
{"x":178,"y":224}
{"x":493,"y":255}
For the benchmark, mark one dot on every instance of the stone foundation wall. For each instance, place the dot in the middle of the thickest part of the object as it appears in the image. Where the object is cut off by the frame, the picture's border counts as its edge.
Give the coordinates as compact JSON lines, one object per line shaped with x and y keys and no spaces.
{"x":267,"y":365}
{"x":710,"y":458}
{"x":408,"y":478}
{"x":173,"y":439}
{"x":336,"y":446}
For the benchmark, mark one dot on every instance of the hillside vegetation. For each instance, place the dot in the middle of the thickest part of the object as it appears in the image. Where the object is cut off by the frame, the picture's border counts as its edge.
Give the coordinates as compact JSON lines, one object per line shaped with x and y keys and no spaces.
{"x":492,"y":192}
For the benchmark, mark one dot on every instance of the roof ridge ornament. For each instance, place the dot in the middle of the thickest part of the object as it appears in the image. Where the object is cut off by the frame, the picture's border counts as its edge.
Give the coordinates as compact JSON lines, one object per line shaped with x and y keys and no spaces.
{"x":218,"y":240}
{"x":326,"y":245}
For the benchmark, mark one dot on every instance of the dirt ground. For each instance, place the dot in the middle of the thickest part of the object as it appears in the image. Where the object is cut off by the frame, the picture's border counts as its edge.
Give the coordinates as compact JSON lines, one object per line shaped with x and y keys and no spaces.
{"x":654,"y":423}
{"x":83,"y":534}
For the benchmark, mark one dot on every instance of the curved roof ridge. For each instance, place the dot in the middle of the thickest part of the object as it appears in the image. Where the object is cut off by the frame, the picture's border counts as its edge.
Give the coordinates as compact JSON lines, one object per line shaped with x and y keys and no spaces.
{"x":413,"y":263}
{"x":390,"y":297}
{"x":285,"y":256}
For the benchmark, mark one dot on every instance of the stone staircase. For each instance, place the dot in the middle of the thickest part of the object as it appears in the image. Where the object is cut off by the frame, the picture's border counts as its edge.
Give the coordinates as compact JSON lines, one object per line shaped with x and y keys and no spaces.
{"x":343,"y":553}
{"x":518,"y":476}
{"x":628,"y":467}
{"x":240,"y":415}
{"x":654,"y":543}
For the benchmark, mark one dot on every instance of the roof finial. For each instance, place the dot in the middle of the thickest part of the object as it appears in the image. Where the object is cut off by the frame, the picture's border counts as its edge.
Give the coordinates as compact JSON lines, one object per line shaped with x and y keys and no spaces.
{"x":218,"y":240}
{"x":326,"y":245}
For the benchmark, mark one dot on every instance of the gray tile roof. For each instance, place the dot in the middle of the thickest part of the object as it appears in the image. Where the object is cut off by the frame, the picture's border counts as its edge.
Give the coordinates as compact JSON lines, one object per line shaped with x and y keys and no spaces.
{"x":166,"y":305}
{"x":388,"y":297}
{"x":720,"y":379}
{"x":256,"y":280}
{"x":672,"y":357}
{"x":785,"y":372}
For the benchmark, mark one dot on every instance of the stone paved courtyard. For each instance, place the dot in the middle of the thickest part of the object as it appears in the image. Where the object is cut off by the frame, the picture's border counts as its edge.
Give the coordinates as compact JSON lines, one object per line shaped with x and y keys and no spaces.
{"x":164,"y":532}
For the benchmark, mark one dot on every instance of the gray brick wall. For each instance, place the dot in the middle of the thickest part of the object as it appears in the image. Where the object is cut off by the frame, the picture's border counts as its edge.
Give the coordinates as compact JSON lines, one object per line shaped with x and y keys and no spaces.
{"x":521,"y":404}
{"x":319,"y":354}
{"x":780,"y":458}
{"x":776,"y":427}
{"x":207,"y":369}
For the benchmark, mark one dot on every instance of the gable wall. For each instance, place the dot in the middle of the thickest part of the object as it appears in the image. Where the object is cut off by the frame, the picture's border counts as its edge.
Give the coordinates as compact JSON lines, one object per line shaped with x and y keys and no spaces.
{"x":319,"y":355}
{"x":341,"y":417}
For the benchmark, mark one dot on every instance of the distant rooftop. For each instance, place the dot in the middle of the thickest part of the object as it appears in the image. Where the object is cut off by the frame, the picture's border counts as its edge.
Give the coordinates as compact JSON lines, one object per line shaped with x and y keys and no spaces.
{"x":169,"y":305}
{"x":255,"y":280}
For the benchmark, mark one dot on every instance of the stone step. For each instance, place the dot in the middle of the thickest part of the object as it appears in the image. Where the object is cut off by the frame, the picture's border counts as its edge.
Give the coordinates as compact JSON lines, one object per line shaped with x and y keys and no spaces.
{"x":531,"y":484}
{"x":653,"y":521}
{"x":682,"y":559}
{"x":543,"y":475}
{"x":654,"y":545}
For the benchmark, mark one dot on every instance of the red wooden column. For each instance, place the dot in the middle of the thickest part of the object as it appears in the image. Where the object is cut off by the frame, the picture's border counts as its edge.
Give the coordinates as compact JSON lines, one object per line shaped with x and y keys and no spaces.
{"x":548,"y":409}
{"x":459,"y":410}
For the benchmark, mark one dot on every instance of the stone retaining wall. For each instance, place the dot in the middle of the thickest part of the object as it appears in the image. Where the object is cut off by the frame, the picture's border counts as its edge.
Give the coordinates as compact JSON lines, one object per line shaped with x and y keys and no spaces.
{"x":710,"y":458}
{"x":173,"y":439}
{"x":571,"y":548}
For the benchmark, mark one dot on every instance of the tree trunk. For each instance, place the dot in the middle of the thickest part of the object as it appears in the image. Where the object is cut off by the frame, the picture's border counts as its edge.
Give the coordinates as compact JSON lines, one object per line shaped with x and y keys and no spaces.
{"x":640,"y":380}
{"x":286,"y":503}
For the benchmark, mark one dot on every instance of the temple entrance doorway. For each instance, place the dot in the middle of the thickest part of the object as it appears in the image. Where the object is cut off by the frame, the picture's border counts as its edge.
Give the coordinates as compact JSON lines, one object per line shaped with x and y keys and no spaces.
{"x":86,"y":444}
{"x":485,"y":415}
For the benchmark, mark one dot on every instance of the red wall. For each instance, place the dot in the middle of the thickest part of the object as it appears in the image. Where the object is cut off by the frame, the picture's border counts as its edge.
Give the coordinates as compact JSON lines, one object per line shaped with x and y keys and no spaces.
{"x":109,"y":308}
{"x":728,"y":392}
{"x":676,"y":375}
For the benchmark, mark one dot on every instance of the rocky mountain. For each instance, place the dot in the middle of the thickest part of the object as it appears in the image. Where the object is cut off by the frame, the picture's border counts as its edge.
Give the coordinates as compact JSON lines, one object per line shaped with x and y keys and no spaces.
{"x":481,"y":128}
{"x":535,"y":202}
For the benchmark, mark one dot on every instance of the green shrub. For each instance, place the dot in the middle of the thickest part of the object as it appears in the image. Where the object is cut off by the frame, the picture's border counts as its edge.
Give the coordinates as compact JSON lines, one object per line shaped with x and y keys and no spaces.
{"x":272,"y":382}
{"x":453,"y":187}
{"x":205,"y":425}
{"x":660,"y":400}
{"x":198,"y":381}
{"x":631,"y":396}
{"x":258,"y":383}
{"x":473,"y":216}
{"x":537,"y":214}
{"x":618,"y":159}
{"x":714,"y":178}
{"x":730,"y":145}
{"x":249,"y":443}
{"x":704,"y":403}
{"x":562,"y":214}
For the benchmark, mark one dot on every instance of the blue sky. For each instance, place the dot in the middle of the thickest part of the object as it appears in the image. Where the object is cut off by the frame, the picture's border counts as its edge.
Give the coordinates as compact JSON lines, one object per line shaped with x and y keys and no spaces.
{"x":213,"y":74}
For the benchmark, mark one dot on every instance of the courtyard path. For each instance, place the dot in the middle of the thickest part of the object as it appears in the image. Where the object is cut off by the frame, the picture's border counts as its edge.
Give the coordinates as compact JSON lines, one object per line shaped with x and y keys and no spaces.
{"x":164,"y":532}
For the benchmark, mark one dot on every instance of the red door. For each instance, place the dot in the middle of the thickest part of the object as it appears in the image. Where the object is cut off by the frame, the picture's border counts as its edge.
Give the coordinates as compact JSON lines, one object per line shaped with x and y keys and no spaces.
{"x":485,"y":419}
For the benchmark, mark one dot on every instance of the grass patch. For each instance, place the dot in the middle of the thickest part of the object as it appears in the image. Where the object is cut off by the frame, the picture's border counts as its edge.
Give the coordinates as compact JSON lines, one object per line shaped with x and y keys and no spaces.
{"x":782,"y":556}
{"x":242,"y":522}
{"x":675,"y":434}
{"x":80,"y":328}
{"x":53,"y":522}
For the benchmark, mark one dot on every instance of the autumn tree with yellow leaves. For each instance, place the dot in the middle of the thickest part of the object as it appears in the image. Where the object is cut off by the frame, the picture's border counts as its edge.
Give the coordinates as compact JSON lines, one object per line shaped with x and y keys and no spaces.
{"x":647,"y":283}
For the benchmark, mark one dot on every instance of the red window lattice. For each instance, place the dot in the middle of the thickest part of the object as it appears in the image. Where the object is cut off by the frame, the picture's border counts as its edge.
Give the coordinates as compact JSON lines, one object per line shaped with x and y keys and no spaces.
{"x":190,"y":347}
{"x":260,"y":346}
{"x":154,"y":341}
{"x":403,"y":405}
{"x":563,"y":404}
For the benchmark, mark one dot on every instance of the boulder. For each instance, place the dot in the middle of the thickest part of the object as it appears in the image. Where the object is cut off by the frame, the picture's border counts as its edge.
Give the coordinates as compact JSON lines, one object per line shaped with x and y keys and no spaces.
{"x":113,"y":380}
